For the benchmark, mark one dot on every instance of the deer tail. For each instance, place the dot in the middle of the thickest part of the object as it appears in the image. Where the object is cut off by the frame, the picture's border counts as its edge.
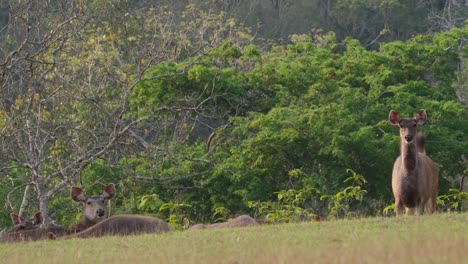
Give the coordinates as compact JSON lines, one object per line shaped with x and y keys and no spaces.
{"x":420,"y":140}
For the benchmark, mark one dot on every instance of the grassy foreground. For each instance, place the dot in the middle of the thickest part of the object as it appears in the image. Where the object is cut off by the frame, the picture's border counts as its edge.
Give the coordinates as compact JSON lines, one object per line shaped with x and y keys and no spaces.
{"x":440,"y":238}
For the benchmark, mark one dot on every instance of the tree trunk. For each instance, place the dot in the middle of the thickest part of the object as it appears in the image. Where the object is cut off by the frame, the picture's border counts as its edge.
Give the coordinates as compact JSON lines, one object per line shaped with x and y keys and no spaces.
{"x":43,"y":202}
{"x":25,"y":201}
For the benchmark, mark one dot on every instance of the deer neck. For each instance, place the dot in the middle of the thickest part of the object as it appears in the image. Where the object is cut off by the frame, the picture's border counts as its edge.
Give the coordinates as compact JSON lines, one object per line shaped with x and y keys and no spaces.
{"x":409,"y":156}
{"x":84,"y":224}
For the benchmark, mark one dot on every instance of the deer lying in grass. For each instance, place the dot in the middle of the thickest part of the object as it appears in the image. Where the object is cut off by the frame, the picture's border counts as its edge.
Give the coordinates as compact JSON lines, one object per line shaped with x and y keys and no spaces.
{"x":21,"y":223}
{"x":95,"y":224}
{"x":415,"y":177}
{"x":121,"y":225}
{"x":240,"y":221}
{"x":28,"y":229}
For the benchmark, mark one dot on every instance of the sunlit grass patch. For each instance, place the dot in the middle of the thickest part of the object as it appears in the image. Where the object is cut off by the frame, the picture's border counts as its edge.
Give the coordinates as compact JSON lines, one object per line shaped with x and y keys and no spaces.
{"x":439,"y":238}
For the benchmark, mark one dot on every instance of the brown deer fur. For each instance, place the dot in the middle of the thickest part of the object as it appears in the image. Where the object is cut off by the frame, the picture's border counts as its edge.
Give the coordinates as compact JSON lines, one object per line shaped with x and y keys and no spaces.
{"x":415,"y":177}
{"x":240,"y":221}
{"x":122,"y":225}
{"x":94,"y":209}
{"x":96,"y":224}
{"x":28,"y":229}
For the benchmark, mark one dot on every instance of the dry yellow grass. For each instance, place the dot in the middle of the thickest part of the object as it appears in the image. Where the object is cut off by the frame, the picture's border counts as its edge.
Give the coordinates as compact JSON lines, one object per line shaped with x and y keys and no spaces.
{"x":440,"y":238}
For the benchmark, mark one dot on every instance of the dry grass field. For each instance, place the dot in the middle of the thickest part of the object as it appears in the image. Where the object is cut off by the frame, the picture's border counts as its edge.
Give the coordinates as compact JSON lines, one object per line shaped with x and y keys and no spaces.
{"x":439,"y":238}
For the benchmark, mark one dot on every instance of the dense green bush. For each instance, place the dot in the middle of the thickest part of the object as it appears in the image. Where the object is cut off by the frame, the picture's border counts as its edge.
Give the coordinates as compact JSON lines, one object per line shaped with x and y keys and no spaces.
{"x":216,"y":126}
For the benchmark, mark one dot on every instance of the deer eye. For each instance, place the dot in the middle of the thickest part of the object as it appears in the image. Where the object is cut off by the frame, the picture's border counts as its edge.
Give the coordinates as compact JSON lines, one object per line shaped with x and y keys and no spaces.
{"x":89,"y":203}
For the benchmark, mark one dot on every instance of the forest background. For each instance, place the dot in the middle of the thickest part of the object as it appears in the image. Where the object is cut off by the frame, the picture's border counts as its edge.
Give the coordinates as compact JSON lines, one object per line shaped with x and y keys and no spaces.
{"x":203,"y":110}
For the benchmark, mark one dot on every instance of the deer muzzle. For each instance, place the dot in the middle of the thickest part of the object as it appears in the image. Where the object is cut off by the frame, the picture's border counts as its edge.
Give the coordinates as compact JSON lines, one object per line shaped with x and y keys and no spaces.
{"x":100,"y":212}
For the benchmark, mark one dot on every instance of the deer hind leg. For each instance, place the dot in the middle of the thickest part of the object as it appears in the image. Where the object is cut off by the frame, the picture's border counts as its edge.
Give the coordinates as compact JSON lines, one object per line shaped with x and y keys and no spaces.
{"x":430,"y":205}
{"x":420,"y":208}
{"x":399,"y":208}
{"x":410,"y":210}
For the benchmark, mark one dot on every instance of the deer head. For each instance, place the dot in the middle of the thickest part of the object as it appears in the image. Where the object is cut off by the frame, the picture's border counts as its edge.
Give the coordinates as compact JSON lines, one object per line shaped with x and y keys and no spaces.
{"x":94,"y":206}
{"x":408,"y":125}
{"x":21,"y":223}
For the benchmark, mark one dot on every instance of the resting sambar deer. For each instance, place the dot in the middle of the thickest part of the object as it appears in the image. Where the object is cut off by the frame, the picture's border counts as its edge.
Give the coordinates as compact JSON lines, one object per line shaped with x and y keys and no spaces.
{"x":28,"y":229}
{"x":121,"y":225}
{"x":94,"y":209}
{"x":415,"y":177}
{"x":21,"y":223}
{"x":240,"y":221}
{"x":95,"y":224}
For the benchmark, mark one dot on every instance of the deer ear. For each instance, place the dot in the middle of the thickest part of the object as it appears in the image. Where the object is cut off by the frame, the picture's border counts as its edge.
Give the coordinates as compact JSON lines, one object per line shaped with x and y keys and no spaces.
{"x":394,"y":117}
{"x":421,"y":117}
{"x":38,"y":218}
{"x":108,"y":192}
{"x":77,"y":194}
{"x":15,"y":218}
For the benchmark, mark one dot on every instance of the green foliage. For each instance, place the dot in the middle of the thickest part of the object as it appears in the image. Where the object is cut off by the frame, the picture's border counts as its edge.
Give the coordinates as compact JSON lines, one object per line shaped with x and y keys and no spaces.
{"x":289,"y":207}
{"x":222,"y":126}
{"x":316,"y":112}
{"x":453,"y":200}
{"x":220,"y":212}
{"x":152,"y":203}
{"x":339,"y":203}
{"x":5,"y":219}
{"x":389,"y":210}
{"x":328,"y":111}
{"x":297,"y":205}
{"x":177,"y":214}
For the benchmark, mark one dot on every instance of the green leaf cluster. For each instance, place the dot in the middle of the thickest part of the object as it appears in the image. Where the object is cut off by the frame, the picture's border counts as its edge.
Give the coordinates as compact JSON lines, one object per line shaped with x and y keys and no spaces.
{"x":307,"y":111}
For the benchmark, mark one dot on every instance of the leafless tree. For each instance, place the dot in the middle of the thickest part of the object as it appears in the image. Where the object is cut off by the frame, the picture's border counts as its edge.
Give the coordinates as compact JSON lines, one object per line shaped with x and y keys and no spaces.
{"x":66,"y":75}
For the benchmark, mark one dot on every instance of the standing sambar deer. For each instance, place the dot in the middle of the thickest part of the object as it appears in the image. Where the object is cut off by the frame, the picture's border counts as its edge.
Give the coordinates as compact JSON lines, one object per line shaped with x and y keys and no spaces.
{"x":415,"y":177}
{"x":240,"y":221}
{"x":94,"y":209}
